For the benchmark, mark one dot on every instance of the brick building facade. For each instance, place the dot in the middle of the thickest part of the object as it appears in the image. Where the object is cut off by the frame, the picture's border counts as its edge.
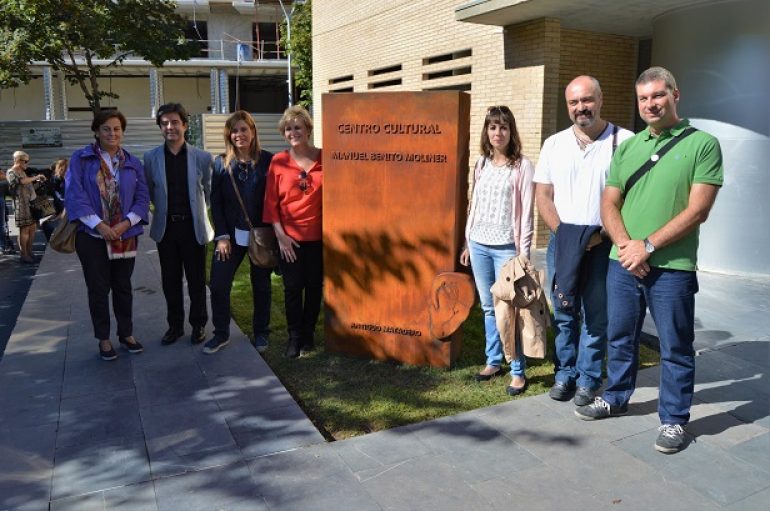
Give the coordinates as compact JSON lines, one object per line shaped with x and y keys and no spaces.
{"x":415,"y":45}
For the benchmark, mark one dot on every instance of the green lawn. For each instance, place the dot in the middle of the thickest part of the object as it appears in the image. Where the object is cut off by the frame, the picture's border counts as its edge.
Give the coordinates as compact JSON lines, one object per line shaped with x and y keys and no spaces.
{"x":345,"y":397}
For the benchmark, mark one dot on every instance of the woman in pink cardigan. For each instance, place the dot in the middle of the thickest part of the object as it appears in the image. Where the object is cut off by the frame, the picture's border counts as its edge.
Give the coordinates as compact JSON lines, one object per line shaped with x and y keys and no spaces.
{"x":500,"y":226}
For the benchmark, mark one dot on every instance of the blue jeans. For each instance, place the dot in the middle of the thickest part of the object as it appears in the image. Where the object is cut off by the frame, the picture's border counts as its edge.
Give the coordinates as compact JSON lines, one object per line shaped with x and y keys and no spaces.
{"x":487,"y":261}
{"x":581,"y":336}
{"x":670,"y":296}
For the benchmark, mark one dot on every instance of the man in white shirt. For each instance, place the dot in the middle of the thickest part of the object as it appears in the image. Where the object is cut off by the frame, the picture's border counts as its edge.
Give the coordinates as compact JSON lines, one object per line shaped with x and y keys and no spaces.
{"x":569,"y":179}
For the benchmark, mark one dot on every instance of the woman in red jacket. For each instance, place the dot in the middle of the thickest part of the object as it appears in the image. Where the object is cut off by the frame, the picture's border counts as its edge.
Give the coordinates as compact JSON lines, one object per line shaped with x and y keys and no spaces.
{"x":293,"y":201}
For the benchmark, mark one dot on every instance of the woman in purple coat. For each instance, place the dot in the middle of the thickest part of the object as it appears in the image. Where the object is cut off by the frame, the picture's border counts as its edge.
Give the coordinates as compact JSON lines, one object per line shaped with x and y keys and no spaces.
{"x":107,"y":194}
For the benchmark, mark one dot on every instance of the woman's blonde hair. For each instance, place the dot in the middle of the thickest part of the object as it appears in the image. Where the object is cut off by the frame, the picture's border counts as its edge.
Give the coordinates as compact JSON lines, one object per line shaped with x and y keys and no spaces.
{"x":18,"y":155}
{"x":293,"y":113}
{"x":240,"y":115}
{"x":60,"y":167}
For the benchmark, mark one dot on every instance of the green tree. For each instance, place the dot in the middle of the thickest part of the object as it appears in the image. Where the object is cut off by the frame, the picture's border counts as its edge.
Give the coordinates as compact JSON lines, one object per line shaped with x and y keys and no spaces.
{"x":83,"y":37}
{"x":301,"y":49}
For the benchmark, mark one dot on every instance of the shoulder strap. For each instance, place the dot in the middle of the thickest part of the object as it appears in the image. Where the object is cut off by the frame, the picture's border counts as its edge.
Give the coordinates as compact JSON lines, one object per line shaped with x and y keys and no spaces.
{"x":655,"y":158}
{"x":614,"y":137}
{"x":238,"y":196}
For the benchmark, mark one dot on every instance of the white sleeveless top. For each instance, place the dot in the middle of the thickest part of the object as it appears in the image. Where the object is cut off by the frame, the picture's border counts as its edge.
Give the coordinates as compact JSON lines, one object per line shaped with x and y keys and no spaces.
{"x":494,"y":205}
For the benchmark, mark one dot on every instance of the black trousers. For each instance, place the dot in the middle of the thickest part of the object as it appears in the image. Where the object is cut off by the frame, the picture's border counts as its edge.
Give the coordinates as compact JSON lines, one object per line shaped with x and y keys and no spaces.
{"x":222,"y":274}
{"x":102,"y":277}
{"x":303,"y":290}
{"x":182,"y":256}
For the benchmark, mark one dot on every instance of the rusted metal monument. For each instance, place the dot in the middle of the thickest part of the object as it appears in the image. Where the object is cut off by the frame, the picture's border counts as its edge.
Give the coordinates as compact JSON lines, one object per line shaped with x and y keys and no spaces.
{"x":395,"y":198}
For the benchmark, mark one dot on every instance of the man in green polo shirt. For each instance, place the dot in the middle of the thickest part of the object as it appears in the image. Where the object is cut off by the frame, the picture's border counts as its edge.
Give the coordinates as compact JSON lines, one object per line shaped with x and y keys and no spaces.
{"x":654,"y":225}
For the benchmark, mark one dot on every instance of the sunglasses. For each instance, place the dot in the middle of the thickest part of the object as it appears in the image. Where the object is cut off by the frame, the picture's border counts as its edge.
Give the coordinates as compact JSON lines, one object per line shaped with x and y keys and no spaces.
{"x":23,"y":161}
{"x":497,"y":110}
{"x":243,"y":171}
{"x":304,"y":184}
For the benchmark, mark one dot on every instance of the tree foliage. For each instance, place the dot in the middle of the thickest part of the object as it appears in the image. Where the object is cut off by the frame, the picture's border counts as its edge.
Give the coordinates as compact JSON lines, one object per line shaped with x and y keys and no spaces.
{"x":84,"y":37}
{"x":301,"y":49}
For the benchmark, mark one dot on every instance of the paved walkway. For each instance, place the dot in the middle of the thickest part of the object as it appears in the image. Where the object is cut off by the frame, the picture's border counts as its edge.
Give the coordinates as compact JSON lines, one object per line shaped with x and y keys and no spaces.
{"x":174,"y":429}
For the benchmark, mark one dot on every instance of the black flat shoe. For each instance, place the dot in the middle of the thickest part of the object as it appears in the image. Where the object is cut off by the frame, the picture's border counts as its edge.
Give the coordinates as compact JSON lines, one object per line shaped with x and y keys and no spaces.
{"x":198,"y":335}
{"x":171,"y":336}
{"x":562,"y":391}
{"x":307,"y":348}
{"x":487,"y":377}
{"x":107,"y":355}
{"x":134,"y":347}
{"x":515,"y":391}
{"x":292,"y":349}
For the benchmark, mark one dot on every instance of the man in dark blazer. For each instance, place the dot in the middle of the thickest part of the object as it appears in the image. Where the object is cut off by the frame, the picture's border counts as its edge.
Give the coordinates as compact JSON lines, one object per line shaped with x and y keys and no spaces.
{"x":179,"y":180}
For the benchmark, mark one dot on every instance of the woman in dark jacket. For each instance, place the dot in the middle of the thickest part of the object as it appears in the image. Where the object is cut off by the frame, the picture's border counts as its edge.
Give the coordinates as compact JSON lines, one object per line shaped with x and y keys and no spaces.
{"x":248,"y":165}
{"x":107,"y":195}
{"x":57,"y":184}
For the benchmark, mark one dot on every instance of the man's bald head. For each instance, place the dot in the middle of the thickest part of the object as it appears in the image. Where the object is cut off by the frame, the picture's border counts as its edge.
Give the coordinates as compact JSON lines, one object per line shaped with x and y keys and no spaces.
{"x":584,"y":101}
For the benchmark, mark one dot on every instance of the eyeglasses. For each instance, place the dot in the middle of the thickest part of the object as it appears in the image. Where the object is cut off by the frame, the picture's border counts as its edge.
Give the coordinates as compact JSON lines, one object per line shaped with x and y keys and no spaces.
{"x":23,"y":161}
{"x":304,"y":184}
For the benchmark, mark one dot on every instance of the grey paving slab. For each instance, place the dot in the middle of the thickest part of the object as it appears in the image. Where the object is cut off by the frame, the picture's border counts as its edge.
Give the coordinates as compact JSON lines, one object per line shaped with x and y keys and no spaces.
{"x":314,"y":478}
{"x":229,"y":488}
{"x":384,"y":448}
{"x":718,"y":366}
{"x":510,"y":416}
{"x":163,"y":359}
{"x":33,"y":349}
{"x":737,"y":386}
{"x":432,"y":481}
{"x":571,"y":448}
{"x":26,"y":466}
{"x":754,"y":502}
{"x":653,"y":494}
{"x":167,"y":387}
{"x":472,"y":447}
{"x":714,"y":425}
{"x":35,"y":374}
{"x":757,"y":353}
{"x":248,"y":387}
{"x":641,"y":417}
{"x":84,"y":420}
{"x":534,"y":489}
{"x":28,"y":398}
{"x":134,"y":497}
{"x":186,"y":436}
{"x":705,"y":468}
{"x":754,"y":451}
{"x":89,"y":377}
{"x":264,"y":431}
{"x":90,"y":467}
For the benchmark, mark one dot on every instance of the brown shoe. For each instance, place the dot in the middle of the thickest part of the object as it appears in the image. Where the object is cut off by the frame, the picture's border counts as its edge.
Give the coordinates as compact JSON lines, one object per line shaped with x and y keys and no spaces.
{"x":481,"y":376}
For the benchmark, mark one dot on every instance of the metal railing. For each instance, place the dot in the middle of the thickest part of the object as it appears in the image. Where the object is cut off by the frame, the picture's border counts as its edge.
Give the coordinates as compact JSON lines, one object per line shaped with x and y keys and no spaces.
{"x":232,"y":50}
{"x":219,"y":49}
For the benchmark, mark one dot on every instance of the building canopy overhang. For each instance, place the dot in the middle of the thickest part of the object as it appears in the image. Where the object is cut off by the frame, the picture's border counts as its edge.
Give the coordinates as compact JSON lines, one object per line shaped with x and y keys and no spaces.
{"x":606,"y":16}
{"x":138,"y":67}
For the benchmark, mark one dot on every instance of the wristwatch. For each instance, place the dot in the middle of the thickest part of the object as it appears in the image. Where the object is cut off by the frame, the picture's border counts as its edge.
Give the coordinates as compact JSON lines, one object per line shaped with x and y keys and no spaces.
{"x":648,"y":246}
